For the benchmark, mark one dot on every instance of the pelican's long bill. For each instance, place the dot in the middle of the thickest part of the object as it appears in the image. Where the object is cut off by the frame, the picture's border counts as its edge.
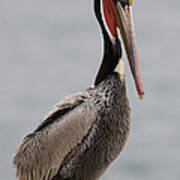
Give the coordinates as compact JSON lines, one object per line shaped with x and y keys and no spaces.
{"x":125,"y":24}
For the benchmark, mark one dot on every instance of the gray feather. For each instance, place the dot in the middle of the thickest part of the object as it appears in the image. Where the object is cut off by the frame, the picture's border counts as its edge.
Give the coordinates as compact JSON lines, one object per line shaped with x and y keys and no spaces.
{"x":40,"y":154}
{"x":80,"y":137}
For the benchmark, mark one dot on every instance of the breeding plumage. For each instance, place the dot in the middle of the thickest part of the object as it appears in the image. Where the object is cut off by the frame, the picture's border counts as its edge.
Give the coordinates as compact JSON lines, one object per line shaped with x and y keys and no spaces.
{"x":85,"y":132}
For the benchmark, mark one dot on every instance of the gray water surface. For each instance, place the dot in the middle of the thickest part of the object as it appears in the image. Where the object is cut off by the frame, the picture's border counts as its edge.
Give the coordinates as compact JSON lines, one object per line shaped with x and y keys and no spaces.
{"x":50,"y":49}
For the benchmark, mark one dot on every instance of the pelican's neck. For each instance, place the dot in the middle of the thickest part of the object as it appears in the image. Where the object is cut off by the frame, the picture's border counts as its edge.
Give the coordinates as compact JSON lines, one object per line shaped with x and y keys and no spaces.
{"x":112,"y":51}
{"x":120,"y":69}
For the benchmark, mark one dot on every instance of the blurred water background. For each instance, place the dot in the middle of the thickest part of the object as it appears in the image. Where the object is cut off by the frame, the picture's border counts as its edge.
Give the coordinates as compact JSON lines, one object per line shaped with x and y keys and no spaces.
{"x":50,"y":49}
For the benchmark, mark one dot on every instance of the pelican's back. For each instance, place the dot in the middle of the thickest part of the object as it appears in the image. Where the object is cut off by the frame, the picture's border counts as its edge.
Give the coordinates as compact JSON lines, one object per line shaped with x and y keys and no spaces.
{"x":41,"y":153}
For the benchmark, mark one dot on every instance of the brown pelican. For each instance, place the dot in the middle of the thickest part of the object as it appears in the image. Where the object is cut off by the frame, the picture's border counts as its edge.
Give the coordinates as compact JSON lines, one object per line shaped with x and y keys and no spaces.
{"x":85,"y":132}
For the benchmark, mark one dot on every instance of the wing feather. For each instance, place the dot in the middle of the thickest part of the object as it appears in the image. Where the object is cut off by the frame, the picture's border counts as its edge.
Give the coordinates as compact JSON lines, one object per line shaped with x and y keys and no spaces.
{"x":41,"y":153}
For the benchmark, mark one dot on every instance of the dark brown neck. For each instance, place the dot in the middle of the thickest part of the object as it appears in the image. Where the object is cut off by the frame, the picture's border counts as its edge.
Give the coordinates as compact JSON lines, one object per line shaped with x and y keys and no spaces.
{"x":112,"y":52}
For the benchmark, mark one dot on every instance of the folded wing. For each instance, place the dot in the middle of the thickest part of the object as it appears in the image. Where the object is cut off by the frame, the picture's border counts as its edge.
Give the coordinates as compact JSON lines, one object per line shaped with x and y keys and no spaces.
{"x":42,"y":152}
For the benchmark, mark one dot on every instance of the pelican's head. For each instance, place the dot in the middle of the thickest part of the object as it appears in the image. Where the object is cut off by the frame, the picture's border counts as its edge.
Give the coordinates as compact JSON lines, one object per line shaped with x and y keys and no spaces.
{"x":117,"y":15}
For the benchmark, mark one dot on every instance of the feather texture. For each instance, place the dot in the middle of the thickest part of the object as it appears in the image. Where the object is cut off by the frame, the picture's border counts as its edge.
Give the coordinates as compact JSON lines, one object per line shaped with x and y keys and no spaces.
{"x":41,"y":153}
